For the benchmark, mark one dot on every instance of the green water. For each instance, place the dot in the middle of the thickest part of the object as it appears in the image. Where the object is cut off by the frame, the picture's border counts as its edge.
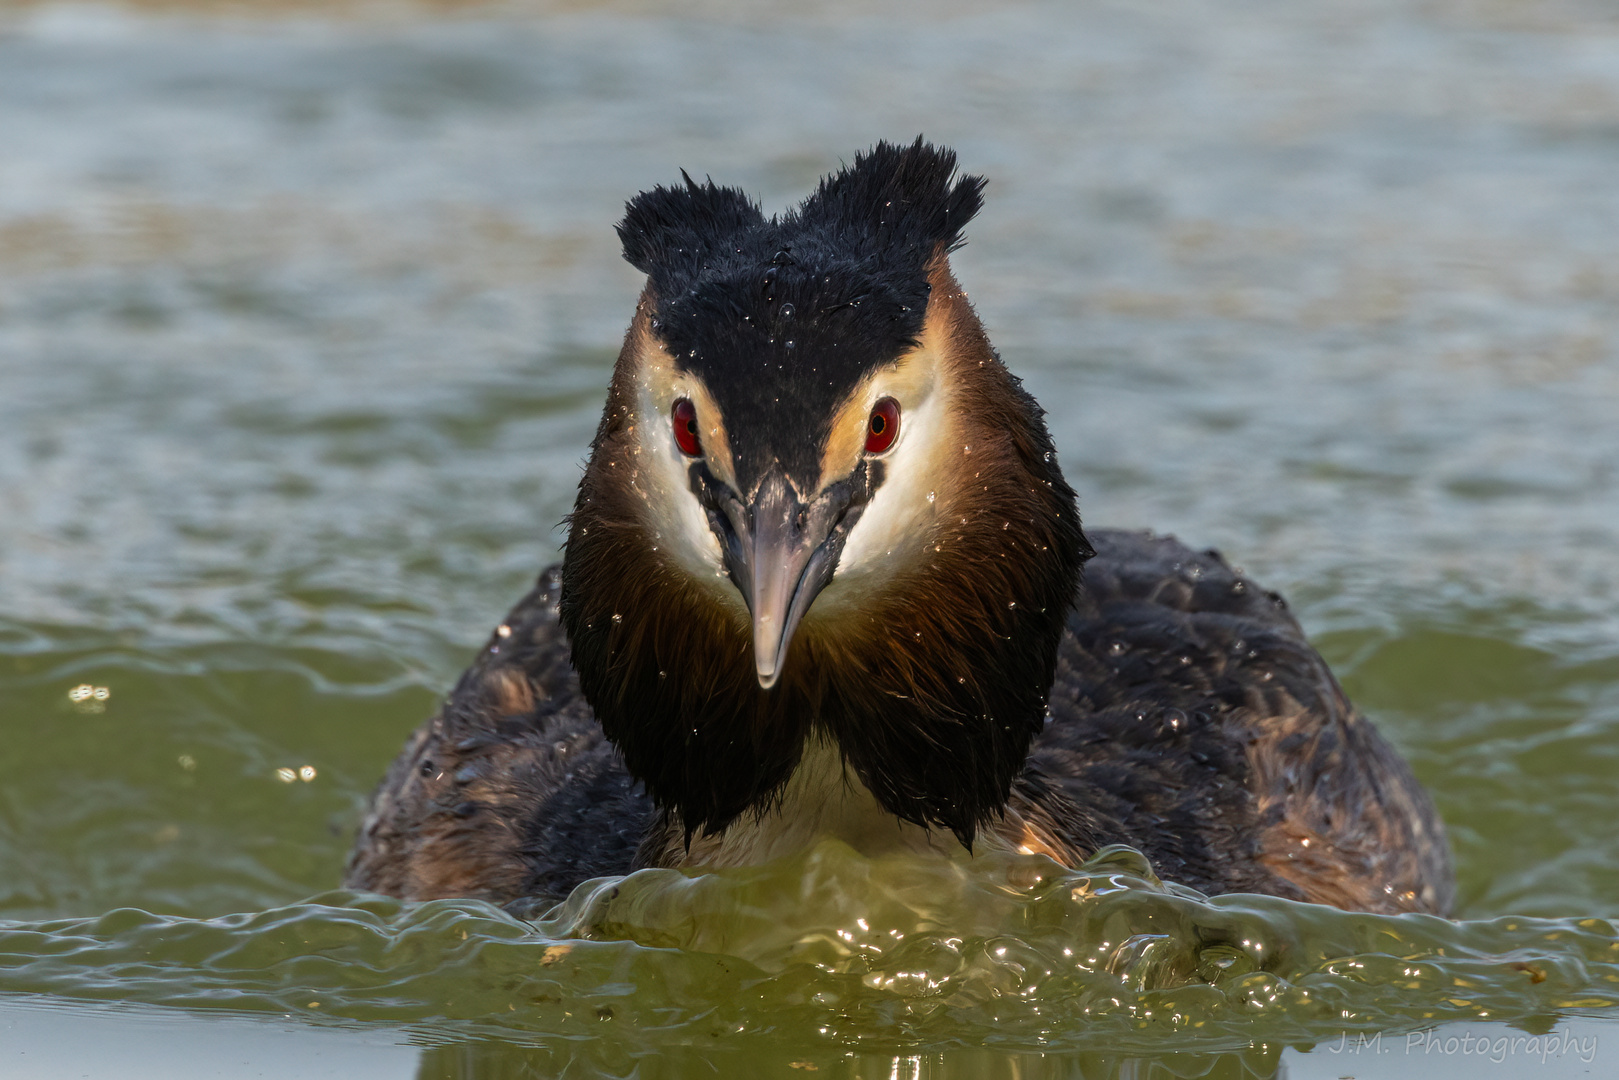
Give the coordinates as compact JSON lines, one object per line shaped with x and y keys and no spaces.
{"x":304,"y":327}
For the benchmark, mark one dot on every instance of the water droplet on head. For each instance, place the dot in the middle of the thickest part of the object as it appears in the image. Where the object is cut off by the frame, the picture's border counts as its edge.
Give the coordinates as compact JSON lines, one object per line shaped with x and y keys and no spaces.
{"x":617,"y":618}
{"x":932,"y":495}
{"x":787,"y":310}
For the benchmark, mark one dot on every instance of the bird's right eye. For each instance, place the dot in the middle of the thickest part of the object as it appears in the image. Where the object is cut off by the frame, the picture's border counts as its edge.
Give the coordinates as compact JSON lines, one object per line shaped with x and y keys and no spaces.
{"x":685,"y":420}
{"x":882,"y":428}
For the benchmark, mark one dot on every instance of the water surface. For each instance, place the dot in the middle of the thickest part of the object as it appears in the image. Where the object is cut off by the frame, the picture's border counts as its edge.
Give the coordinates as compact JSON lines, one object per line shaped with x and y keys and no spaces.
{"x":305,"y":319}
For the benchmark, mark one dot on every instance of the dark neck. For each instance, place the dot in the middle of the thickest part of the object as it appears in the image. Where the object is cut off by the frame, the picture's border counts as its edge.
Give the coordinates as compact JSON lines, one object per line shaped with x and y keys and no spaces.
{"x":932,"y":690}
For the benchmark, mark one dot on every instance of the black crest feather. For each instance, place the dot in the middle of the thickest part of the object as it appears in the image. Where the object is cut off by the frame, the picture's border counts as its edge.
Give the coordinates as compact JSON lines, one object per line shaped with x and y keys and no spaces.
{"x":895,"y":205}
{"x":669,"y":233}
{"x":906,"y":201}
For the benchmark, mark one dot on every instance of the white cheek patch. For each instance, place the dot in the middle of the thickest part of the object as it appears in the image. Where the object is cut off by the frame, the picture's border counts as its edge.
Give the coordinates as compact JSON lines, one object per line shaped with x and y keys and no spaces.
{"x":899,"y":518}
{"x":677,"y":521}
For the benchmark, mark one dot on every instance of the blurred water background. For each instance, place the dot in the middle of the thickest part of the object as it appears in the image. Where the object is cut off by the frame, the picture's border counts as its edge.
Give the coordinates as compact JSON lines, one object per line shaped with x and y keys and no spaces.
{"x":306,"y":315}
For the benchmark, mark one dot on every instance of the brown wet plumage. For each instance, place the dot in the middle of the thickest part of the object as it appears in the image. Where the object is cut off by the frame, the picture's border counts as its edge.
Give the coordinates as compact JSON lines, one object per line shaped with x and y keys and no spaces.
{"x":1187,"y":717}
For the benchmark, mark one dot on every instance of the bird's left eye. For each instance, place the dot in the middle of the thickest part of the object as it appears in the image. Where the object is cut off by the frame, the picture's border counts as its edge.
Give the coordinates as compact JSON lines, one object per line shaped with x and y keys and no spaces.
{"x":684,"y":415}
{"x":883,"y":426}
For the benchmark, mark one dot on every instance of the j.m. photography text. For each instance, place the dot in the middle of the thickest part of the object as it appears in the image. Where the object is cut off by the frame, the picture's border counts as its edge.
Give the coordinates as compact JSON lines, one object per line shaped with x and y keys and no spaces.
{"x":1491,"y":1047}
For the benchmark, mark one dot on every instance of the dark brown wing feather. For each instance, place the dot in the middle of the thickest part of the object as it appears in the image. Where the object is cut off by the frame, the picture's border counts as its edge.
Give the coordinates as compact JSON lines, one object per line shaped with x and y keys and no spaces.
{"x":1189,"y":719}
{"x":511,"y":791}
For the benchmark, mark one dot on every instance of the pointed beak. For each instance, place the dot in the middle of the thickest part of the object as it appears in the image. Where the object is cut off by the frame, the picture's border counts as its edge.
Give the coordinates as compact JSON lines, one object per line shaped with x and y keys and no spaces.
{"x":781,"y":552}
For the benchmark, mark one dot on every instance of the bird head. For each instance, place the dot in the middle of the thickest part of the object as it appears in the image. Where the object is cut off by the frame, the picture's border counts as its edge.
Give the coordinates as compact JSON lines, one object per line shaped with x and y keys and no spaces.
{"x":817,"y":501}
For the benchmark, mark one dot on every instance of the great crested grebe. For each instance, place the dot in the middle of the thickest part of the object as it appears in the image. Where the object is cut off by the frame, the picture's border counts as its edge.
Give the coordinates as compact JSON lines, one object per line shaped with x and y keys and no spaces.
{"x":823,"y":578}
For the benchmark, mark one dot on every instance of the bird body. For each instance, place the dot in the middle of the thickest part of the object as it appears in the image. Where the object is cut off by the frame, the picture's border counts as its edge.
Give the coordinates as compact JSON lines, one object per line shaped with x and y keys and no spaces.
{"x":823,"y":578}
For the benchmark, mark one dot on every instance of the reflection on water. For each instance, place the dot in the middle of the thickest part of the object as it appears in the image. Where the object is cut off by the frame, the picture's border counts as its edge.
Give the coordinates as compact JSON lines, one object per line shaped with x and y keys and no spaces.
{"x":504,"y":1061}
{"x":1451,"y":1052}
{"x":131,"y":1042}
{"x":50,"y":1037}
{"x":306,"y":312}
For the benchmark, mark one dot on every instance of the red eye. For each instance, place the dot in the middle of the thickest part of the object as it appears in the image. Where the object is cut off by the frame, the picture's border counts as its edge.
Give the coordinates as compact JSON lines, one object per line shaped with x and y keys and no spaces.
{"x":883,"y":426}
{"x":685,"y":417}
